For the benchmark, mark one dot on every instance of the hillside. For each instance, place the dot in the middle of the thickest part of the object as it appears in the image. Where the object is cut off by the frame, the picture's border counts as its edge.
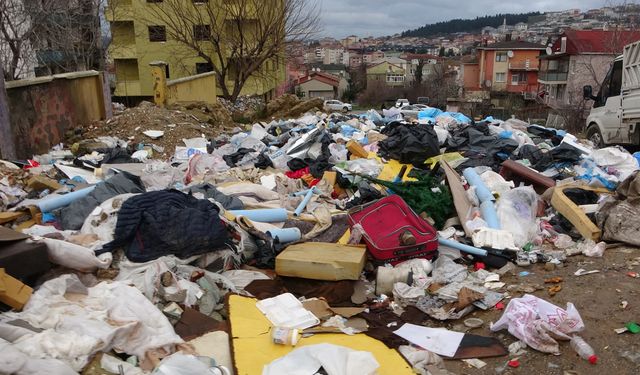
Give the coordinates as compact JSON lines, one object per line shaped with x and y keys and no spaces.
{"x":467,"y":25}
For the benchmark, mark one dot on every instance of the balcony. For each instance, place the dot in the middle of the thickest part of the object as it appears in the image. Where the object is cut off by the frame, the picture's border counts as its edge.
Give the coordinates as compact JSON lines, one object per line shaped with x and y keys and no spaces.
{"x":526,"y":66}
{"x":552,"y":76}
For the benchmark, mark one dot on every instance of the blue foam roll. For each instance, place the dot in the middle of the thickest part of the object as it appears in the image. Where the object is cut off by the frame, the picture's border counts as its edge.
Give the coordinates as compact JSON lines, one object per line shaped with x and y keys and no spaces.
{"x":285,"y":235}
{"x":304,"y":202}
{"x":474,"y":180}
{"x":263,"y":215}
{"x":52,"y":203}
{"x":489,"y":214}
{"x":463,"y":247}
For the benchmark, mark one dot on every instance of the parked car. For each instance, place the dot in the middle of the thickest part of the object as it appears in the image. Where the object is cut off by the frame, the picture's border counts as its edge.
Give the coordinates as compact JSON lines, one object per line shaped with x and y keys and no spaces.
{"x":422,"y":100}
{"x":423,"y":106}
{"x":336,"y":105}
{"x":402,"y":102}
{"x":411,"y":110}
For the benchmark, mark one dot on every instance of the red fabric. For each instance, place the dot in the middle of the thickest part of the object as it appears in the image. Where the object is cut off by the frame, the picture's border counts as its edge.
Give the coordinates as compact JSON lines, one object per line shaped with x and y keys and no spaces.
{"x":297,"y":174}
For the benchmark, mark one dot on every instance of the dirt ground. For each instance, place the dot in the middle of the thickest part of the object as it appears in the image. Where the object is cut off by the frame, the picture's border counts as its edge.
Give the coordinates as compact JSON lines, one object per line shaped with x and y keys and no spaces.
{"x":597,"y":297}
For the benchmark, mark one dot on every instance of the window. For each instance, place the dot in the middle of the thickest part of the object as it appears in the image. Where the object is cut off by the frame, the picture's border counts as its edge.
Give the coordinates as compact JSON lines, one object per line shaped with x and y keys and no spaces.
{"x":395,"y":78}
{"x":501,"y":56}
{"x":518,"y":78}
{"x":611,"y":85}
{"x":200,"y":1}
{"x":201,"y":32}
{"x":203,"y":68}
{"x":157,"y":34}
{"x":166,"y":71}
{"x":500,"y":77}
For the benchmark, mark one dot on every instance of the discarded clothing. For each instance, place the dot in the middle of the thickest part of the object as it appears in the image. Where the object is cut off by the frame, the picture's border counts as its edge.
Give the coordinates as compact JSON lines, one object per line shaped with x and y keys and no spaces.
{"x":210,"y":192}
{"x":167,"y":222}
{"x":109,"y":315}
{"x":73,"y":216}
{"x":409,"y":144}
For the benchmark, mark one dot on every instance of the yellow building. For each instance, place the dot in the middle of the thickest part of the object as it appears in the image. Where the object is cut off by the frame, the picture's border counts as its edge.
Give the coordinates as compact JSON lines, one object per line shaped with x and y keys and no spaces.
{"x":138,"y":40}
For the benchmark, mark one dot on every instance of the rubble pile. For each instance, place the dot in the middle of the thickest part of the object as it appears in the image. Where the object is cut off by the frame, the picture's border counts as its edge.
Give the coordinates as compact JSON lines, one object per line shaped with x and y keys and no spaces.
{"x":176,"y":123}
{"x":356,"y":243}
{"x":289,"y":106}
{"x":243,"y":104}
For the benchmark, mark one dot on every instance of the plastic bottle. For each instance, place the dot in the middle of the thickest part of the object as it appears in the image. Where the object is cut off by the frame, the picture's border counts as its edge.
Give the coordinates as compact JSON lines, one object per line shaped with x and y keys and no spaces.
{"x":583,"y":349}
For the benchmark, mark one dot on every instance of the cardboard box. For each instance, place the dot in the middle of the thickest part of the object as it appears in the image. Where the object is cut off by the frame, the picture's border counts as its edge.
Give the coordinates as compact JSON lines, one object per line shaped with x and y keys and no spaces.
{"x":322,"y":261}
{"x":13,"y":292}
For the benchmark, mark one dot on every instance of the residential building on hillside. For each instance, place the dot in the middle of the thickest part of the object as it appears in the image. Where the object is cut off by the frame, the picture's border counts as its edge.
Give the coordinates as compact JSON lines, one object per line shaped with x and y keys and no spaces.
{"x":386,"y":72}
{"x":335,"y":69}
{"x":510,"y":66}
{"x":139,"y":40}
{"x":321,"y":85}
{"x":579,"y":58}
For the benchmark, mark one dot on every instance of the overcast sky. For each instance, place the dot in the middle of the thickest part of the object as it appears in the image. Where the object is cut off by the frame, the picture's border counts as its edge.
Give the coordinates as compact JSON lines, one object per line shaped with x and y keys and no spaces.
{"x":386,"y":17}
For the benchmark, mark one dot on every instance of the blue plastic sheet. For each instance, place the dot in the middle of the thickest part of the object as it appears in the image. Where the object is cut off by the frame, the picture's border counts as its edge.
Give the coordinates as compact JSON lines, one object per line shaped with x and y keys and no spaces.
{"x":459,"y":117}
{"x":429,"y":112}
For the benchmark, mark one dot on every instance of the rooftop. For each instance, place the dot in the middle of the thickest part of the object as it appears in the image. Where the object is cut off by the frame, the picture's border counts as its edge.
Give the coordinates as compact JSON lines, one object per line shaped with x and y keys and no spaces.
{"x":513,"y":44}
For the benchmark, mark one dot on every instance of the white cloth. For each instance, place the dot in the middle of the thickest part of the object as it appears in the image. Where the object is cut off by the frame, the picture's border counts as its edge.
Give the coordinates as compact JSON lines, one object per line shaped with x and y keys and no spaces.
{"x":336,"y":360}
{"x":78,"y":321}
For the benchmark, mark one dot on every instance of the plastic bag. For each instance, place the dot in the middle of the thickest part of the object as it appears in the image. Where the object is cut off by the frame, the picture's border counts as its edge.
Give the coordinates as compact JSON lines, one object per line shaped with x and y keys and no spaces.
{"x":591,"y":249}
{"x":517,"y":213}
{"x":536,"y":322}
{"x":186,"y":364}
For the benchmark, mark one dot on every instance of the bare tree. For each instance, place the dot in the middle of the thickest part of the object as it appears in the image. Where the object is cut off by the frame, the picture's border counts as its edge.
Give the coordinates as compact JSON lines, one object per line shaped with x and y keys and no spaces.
{"x":62,"y":35}
{"x":67,"y":33}
{"x":16,"y":29}
{"x":240,"y":39}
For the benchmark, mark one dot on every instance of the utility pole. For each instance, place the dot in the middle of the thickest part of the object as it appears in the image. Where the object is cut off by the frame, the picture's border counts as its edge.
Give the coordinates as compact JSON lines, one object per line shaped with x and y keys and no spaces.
{"x":7,"y":147}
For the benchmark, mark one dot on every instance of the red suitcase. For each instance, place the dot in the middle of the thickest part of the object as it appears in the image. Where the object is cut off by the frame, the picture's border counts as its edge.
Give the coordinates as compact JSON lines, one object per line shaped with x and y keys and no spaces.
{"x":384,"y":222}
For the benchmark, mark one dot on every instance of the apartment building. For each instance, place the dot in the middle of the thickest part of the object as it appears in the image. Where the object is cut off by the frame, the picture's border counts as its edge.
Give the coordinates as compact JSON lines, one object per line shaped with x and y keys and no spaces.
{"x":579,"y":58}
{"x":138,"y":40}
{"x":509,"y":66}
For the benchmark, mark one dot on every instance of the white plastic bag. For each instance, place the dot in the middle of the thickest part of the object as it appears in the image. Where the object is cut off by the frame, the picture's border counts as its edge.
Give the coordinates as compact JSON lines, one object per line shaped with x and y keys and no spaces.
{"x":537,"y":322}
{"x":517,"y":213}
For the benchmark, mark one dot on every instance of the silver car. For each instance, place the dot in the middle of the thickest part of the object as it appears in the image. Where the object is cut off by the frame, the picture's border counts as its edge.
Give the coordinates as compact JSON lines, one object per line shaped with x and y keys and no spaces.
{"x":411,"y":110}
{"x":336,"y":105}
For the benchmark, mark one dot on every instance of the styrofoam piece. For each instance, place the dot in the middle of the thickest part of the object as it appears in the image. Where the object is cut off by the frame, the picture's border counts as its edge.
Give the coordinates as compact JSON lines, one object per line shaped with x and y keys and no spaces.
{"x":286,"y":311}
{"x":52,"y":203}
{"x":493,"y":238}
{"x":266,"y":215}
{"x":153,"y":134}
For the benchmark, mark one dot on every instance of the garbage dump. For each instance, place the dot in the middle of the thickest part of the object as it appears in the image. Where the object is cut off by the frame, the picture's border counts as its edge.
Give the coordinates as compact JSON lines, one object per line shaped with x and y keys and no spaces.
{"x":343,"y":243}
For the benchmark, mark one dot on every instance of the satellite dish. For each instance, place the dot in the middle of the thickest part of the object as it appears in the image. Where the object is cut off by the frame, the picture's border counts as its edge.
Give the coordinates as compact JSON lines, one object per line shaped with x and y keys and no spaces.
{"x":510,"y":54}
{"x":549,"y":51}
{"x":487,"y":83}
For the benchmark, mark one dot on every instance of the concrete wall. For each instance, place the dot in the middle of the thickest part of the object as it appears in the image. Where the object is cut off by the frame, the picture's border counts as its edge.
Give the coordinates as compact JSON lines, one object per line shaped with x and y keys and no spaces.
{"x":197,"y":88}
{"x":42,"y":109}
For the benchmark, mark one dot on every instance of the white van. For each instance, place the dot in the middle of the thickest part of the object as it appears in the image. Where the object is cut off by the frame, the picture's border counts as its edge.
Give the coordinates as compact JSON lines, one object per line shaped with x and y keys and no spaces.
{"x":615,"y":115}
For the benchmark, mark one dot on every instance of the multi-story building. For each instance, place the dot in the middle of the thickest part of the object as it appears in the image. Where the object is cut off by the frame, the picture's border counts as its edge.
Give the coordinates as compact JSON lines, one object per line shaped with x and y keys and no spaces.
{"x":510,"y":66}
{"x":139,"y":38}
{"x":579,"y":58}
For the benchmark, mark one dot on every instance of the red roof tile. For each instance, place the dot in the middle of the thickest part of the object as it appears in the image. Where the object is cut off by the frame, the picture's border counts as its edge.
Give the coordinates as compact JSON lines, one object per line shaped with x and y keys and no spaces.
{"x":596,"y":41}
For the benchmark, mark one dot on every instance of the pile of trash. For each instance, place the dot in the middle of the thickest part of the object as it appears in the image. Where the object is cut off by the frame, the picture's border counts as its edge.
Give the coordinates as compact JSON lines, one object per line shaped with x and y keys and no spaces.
{"x":168,"y":126}
{"x":243,"y":104}
{"x":313,"y":240}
